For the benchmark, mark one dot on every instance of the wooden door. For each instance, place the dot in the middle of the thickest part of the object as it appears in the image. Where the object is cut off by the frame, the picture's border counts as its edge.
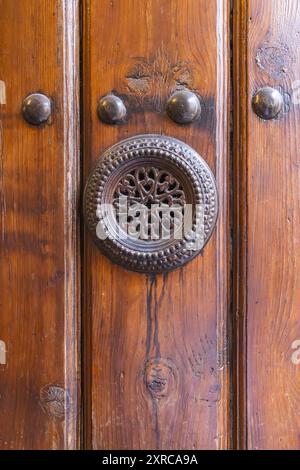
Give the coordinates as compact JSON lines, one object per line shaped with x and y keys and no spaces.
{"x":266,"y":164}
{"x":174,"y":326}
{"x":202,"y":357}
{"x":39,"y":251}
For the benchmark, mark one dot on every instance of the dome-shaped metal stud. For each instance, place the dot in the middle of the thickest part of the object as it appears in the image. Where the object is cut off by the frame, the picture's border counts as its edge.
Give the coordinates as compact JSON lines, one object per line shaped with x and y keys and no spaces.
{"x":183,"y":107}
{"x":36,"y":108}
{"x":111,"y":109}
{"x":267,"y":103}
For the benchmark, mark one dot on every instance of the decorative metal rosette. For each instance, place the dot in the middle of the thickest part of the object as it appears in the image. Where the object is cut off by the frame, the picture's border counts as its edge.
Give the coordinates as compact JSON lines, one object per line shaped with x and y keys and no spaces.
{"x":151,"y":203}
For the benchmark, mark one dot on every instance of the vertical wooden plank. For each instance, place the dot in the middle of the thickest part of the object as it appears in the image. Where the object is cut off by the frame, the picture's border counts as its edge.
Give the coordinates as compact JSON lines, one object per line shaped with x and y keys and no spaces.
{"x":273,"y":221}
{"x":177,"y":323}
{"x":239,"y":232}
{"x":39,"y":255}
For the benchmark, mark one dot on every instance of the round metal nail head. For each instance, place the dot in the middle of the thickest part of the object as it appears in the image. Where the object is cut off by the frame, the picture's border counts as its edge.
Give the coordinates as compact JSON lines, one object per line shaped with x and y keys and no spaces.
{"x":267,"y":103}
{"x":183,"y":107}
{"x":36,"y":108}
{"x":111,"y":109}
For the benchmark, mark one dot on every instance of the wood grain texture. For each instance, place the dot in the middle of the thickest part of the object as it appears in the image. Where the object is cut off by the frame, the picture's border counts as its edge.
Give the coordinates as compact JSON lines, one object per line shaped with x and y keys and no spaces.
{"x":156,"y":347}
{"x":39,"y":247}
{"x":272,"y":276}
{"x":239,"y":223}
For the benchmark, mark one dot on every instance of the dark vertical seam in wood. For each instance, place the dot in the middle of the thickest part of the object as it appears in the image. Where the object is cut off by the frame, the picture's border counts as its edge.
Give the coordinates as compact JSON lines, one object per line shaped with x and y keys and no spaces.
{"x":153,"y":343}
{"x":81,"y":133}
{"x":231,"y":216}
{"x":156,"y":343}
{"x":240,"y":140}
{"x":85,"y":151}
{"x":150,"y":279}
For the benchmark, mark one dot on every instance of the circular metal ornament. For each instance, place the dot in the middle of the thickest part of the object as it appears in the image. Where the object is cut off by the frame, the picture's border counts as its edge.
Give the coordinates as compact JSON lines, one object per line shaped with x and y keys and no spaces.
{"x":170,"y":207}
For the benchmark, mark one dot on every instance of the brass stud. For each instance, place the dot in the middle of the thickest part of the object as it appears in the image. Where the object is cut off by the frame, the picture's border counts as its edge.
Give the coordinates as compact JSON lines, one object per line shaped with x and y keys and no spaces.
{"x":111,"y":109}
{"x":183,"y":107}
{"x":36,"y":108}
{"x":267,"y":103}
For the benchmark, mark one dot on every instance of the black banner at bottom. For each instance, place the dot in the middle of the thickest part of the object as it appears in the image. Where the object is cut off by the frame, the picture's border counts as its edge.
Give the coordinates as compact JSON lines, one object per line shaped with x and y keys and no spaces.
{"x":136,"y":459}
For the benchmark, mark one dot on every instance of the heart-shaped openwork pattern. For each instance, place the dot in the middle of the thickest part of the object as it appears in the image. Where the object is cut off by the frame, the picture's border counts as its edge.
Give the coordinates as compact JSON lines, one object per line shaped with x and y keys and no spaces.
{"x":150,"y":185}
{"x":151,"y":203}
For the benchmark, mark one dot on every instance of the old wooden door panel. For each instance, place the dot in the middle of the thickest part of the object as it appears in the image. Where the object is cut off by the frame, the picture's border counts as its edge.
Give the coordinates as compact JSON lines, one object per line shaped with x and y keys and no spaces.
{"x":38,"y":187}
{"x":268,"y":152}
{"x":156,"y":349}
